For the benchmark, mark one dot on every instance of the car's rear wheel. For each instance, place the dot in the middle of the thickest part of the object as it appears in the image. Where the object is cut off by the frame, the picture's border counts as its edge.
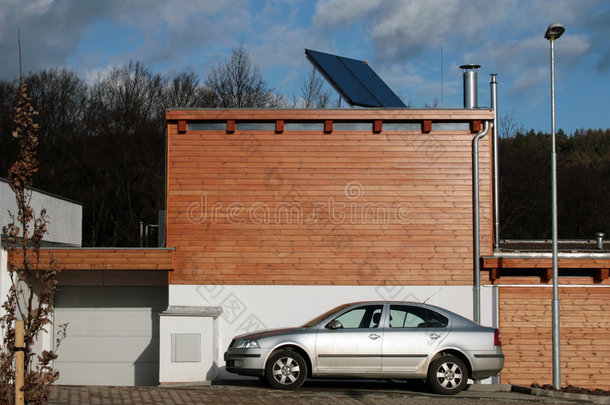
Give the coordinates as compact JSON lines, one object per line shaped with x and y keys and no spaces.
{"x":286,"y":370}
{"x":447,"y":375}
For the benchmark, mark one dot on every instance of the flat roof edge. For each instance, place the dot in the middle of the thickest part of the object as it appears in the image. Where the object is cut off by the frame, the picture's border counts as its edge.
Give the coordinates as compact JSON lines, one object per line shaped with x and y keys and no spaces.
{"x":4,"y":180}
{"x":396,"y":114}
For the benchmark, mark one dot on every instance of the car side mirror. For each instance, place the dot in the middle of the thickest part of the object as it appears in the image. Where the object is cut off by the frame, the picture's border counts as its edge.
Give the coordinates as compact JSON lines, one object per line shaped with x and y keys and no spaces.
{"x":334,"y":324}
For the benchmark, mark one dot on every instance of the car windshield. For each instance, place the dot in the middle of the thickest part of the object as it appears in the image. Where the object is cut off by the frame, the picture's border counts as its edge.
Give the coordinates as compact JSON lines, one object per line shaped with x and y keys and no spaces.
{"x":326,"y":314}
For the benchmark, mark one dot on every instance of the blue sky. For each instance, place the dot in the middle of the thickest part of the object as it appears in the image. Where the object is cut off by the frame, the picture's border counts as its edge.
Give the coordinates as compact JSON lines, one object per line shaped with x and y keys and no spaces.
{"x":401,"y":39}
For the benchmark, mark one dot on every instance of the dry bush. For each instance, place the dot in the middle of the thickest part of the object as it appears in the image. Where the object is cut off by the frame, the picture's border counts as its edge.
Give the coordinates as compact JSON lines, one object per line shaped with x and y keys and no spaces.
{"x":33,"y":283}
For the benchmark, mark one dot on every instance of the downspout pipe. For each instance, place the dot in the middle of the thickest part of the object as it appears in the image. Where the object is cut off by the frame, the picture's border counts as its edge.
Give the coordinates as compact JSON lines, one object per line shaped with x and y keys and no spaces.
{"x":476,"y":223}
{"x":496,"y":177}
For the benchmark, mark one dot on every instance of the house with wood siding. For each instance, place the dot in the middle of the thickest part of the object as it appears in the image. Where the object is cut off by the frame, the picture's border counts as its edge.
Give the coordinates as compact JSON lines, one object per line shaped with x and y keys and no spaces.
{"x":278,"y":215}
{"x":275,"y":216}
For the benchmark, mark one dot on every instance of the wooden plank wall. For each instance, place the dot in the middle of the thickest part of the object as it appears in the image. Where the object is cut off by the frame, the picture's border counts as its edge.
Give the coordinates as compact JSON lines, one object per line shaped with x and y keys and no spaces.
{"x":230,"y":197}
{"x":105,"y":259}
{"x":525,"y":325}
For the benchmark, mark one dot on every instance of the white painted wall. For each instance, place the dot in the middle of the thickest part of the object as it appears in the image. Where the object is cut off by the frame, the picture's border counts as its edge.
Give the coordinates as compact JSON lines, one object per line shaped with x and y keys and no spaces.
{"x":65,"y":227}
{"x":247,"y":308}
{"x":203,"y":370}
{"x":65,"y":217}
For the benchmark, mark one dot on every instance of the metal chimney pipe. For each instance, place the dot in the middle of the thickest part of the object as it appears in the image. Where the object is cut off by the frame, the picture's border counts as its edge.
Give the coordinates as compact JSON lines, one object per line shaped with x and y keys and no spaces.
{"x":141,"y":234}
{"x":600,"y":240}
{"x":470,"y":85}
{"x":496,"y":168}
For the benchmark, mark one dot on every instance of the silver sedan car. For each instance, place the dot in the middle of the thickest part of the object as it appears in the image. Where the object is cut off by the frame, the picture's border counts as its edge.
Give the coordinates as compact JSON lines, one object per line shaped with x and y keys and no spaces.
{"x":402,"y":340}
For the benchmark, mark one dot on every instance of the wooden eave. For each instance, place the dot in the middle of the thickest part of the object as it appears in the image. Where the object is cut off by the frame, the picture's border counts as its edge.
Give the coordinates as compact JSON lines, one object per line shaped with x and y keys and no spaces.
{"x":141,"y":259}
{"x":515,"y":266}
{"x":329,"y":114}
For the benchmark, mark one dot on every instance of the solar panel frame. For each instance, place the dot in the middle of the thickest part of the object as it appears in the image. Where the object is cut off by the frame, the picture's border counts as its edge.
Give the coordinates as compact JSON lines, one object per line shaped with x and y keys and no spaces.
{"x":354,"y":80}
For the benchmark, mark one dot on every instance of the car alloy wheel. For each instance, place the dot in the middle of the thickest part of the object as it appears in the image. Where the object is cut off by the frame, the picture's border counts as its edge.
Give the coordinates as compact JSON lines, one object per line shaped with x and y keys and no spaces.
{"x":286,"y":369}
{"x":447,"y":375}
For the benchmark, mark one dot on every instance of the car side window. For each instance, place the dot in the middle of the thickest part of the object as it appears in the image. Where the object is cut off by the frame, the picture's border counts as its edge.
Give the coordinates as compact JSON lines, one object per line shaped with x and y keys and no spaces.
{"x":436,"y":320}
{"x":365,"y":317}
{"x":404,"y":316}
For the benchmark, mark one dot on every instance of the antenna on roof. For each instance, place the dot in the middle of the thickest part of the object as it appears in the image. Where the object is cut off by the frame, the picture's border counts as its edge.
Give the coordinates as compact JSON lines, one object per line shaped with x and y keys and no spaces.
{"x":441,"y":74}
{"x":19,"y":43}
{"x":437,"y":291}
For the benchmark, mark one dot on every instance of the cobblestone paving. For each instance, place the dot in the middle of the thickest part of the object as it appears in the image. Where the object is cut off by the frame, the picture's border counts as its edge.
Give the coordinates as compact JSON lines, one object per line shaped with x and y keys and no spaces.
{"x":312,"y":393}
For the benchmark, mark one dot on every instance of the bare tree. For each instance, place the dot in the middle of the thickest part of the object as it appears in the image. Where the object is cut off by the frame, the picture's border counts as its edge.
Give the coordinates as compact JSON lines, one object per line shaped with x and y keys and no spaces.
{"x":122,"y":98}
{"x":312,"y":92}
{"x":508,"y":127}
{"x":33,"y":283}
{"x":238,"y":84}
{"x":184,"y":91}
{"x":121,"y":159}
{"x":8,"y":100}
{"x":434,"y":105}
{"x":60,"y":97}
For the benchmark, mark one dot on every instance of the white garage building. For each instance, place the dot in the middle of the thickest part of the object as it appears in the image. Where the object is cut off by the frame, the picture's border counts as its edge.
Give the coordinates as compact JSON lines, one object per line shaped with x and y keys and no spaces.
{"x":112,"y":312}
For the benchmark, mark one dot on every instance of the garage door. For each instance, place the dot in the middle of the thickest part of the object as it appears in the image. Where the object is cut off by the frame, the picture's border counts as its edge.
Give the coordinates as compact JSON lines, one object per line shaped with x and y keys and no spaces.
{"x":113,"y":334}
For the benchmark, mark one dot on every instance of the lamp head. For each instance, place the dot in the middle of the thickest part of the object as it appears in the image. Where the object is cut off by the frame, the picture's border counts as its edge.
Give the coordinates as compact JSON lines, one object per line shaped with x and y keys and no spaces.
{"x":554,"y":31}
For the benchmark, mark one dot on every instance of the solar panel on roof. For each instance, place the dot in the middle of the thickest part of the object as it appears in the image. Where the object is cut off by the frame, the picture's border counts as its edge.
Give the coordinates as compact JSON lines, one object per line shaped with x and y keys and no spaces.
{"x":354,"y":79}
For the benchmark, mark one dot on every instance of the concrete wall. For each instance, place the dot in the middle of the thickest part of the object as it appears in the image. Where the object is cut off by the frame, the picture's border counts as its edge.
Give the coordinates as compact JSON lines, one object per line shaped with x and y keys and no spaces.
{"x":5,"y":280}
{"x":188,"y":342}
{"x":65,"y":217}
{"x":249,"y":308}
{"x":64,"y":228}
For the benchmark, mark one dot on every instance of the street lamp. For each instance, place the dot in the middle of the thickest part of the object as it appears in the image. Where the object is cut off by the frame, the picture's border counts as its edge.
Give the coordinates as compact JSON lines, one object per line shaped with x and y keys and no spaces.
{"x":553,"y":32}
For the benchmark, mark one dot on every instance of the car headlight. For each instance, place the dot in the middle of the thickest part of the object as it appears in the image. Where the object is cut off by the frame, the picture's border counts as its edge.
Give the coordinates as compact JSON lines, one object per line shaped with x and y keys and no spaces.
{"x":246,"y":344}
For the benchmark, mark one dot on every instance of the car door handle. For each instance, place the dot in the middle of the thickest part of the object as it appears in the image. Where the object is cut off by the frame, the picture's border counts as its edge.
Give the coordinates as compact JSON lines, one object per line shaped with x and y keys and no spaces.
{"x":434,"y":336}
{"x":374,"y":336}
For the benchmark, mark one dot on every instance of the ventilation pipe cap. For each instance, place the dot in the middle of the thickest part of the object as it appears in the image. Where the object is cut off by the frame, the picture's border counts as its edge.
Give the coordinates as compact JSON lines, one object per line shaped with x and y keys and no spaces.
{"x":600,"y":240}
{"x":470,"y":86}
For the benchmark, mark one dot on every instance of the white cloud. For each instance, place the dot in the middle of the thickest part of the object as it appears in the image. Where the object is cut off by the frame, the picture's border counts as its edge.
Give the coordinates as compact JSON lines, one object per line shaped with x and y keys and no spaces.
{"x":52,"y":30}
{"x":333,"y":13}
{"x":37,"y":7}
{"x":401,"y":29}
{"x":521,"y":63}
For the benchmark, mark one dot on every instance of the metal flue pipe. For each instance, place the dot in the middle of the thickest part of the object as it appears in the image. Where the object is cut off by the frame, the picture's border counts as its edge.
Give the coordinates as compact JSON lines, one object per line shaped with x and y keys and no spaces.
{"x":470,"y":86}
{"x":496,"y":177}
{"x":476,"y":223}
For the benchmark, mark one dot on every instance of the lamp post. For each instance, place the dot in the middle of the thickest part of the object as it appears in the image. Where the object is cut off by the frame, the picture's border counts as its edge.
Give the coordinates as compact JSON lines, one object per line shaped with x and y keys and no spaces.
{"x":553,"y":32}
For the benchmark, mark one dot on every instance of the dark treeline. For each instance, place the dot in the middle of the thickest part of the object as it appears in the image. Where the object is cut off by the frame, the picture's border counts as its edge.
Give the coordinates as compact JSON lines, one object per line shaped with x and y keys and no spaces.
{"x":583,"y":184}
{"x":102,"y":144}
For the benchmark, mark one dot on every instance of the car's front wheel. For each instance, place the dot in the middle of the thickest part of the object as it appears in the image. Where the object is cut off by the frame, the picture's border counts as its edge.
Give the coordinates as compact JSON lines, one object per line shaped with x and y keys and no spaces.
{"x":447,"y":375}
{"x":286,"y":370}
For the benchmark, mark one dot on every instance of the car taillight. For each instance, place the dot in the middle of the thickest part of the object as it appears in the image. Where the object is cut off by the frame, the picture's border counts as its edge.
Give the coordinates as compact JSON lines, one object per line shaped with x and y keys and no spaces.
{"x":497,"y":338}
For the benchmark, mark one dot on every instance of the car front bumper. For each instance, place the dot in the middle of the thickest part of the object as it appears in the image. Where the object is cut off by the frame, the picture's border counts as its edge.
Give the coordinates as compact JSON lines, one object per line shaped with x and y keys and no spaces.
{"x":245,"y":361}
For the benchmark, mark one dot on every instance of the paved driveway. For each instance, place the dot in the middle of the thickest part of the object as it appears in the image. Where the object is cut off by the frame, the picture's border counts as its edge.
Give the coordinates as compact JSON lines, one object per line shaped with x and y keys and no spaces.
{"x":313,"y":392}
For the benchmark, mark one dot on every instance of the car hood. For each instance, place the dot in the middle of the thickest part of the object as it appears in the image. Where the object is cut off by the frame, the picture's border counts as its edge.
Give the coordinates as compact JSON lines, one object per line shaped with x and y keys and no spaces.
{"x":267,"y":333}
